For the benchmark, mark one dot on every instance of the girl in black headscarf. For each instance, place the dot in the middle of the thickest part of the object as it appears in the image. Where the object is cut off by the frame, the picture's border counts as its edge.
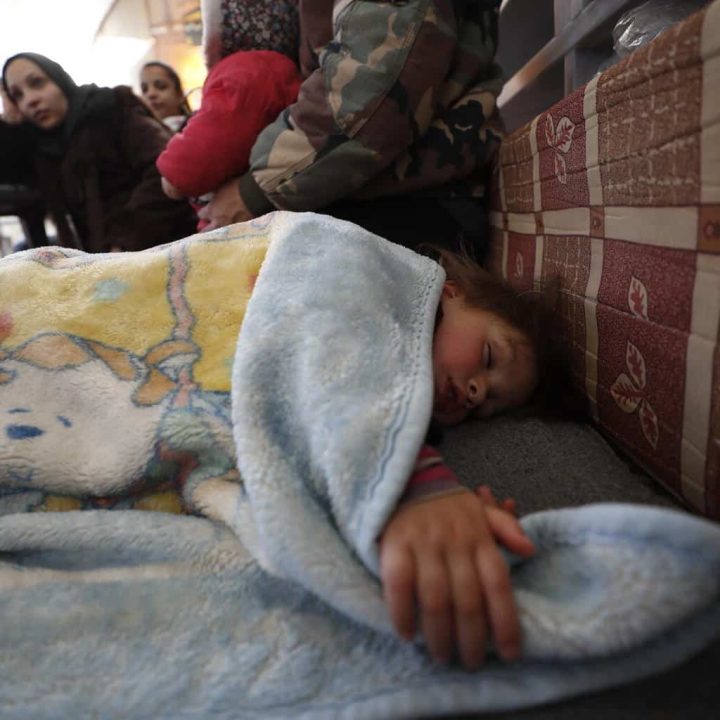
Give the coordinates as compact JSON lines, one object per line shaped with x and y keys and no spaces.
{"x":93,"y":153}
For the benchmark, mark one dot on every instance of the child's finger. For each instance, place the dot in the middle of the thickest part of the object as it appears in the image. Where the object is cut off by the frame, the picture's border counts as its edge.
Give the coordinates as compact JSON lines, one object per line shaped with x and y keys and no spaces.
{"x":486,"y":495}
{"x":501,"y":610}
{"x":470,"y":622}
{"x":508,"y":531}
{"x":510,"y":506}
{"x":435,"y":605}
{"x":397,"y":571}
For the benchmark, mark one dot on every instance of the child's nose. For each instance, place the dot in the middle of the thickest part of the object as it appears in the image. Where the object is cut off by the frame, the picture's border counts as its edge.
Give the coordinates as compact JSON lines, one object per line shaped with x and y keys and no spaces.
{"x":477,"y":390}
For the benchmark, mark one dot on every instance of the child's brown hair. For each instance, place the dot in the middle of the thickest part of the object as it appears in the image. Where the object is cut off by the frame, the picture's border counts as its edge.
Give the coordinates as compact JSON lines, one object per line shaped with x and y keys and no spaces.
{"x":535,"y":313}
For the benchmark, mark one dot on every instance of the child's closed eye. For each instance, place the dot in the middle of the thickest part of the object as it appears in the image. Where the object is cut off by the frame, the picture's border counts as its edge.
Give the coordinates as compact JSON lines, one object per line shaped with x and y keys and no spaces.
{"x":487,"y":355}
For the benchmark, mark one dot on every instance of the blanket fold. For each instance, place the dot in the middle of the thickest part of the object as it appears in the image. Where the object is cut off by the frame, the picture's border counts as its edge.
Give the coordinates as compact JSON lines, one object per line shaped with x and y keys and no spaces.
{"x":332,"y":394}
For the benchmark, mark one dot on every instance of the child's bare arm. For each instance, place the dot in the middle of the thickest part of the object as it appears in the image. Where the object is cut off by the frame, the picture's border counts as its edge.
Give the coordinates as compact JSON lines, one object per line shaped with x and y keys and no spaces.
{"x":440,"y":556}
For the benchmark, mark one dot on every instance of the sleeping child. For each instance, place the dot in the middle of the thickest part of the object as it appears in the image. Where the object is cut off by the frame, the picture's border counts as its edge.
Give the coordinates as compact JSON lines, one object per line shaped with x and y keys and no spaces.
{"x":492,"y":351}
{"x":119,"y":374}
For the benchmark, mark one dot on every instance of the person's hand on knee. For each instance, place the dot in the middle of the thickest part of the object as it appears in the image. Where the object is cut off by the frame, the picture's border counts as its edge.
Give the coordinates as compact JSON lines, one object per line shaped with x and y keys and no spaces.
{"x":226,"y":207}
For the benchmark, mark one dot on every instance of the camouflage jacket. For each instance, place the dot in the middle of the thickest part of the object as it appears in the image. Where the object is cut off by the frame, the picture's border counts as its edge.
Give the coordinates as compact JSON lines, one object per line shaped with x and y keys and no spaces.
{"x":398,"y":97}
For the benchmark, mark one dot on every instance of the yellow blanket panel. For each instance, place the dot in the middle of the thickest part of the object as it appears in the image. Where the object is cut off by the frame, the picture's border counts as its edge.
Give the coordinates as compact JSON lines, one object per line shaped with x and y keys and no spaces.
{"x":185,"y":300}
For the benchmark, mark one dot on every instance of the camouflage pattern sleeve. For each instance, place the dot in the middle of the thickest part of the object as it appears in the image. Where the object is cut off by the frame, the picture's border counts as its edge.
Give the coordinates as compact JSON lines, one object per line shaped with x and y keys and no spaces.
{"x":399,"y":100}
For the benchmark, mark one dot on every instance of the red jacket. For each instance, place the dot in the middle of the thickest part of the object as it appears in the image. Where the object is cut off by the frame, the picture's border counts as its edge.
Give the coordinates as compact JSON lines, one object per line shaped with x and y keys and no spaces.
{"x":242,"y":95}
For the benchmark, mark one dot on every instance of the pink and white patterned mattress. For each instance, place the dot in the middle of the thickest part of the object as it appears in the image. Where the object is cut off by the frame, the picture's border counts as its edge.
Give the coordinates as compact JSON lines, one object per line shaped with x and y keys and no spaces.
{"x":616,"y":189}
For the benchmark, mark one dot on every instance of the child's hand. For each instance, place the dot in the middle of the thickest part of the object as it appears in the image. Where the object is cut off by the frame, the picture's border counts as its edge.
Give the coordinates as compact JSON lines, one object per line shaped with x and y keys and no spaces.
{"x":440,"y":555}
{"x":486,"y":495}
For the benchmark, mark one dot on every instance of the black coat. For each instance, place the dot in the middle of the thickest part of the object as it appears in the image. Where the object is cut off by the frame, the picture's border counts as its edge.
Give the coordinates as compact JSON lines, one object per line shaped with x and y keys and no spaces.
{"x":106,"y":180}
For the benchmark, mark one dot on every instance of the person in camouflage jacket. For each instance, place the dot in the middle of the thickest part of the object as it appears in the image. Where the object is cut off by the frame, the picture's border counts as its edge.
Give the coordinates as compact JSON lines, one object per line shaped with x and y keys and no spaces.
{"x":394,"y":124}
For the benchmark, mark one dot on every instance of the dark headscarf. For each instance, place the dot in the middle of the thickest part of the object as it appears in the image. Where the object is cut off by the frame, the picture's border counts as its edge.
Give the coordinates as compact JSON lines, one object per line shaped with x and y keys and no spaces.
{"x":83,"y":101}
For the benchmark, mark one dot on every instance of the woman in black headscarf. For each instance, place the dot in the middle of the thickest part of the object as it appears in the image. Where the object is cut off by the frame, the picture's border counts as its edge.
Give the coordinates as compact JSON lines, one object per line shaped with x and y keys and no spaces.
{"x":93,"y":153}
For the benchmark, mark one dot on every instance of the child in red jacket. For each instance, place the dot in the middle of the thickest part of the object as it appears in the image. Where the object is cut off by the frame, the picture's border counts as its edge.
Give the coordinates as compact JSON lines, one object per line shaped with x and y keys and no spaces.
{"x":243,"y":93}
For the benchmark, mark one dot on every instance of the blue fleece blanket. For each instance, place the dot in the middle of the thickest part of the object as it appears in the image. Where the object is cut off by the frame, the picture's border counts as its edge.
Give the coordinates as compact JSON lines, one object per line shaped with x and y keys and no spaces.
{"x":269,"y":606}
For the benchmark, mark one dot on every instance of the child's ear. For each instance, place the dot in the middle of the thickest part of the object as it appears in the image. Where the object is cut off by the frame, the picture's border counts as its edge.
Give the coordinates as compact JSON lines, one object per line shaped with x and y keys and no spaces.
{"x":450,"y":290}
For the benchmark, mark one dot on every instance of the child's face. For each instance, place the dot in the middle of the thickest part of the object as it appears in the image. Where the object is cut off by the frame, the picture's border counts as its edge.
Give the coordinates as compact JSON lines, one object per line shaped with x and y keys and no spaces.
{"x":481,"y":364}
{"x":160,"y":93}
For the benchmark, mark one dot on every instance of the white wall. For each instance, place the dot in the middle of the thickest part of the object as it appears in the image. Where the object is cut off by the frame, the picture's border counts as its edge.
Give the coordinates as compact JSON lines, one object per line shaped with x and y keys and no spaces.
{"x":64,"y":30}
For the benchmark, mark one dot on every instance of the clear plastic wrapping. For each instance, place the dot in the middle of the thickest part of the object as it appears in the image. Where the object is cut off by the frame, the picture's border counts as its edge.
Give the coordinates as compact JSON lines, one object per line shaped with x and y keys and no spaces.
{"x":641,"y":24}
